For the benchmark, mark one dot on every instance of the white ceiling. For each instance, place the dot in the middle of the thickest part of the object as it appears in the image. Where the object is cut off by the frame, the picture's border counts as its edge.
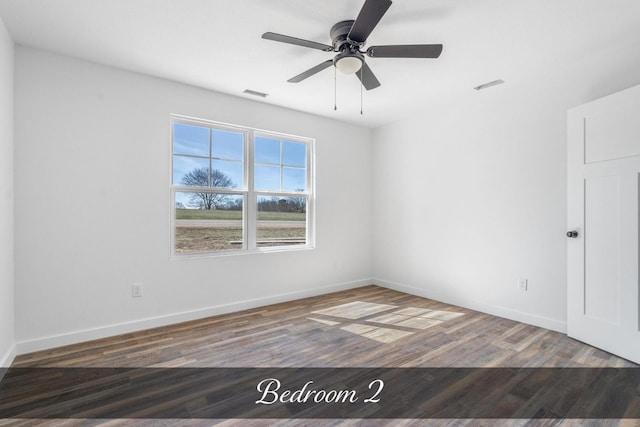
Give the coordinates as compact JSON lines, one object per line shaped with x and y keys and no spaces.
{"x":217,"y":44}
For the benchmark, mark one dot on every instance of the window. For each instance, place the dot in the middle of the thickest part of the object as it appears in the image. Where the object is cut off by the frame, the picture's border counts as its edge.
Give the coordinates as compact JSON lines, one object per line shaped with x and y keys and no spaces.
{"x":238,"y":189}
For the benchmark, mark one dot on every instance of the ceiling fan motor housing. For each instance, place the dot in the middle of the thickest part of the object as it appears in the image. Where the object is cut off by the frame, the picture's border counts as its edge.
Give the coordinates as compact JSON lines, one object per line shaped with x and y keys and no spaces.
{"x":339,"y":33}
{"x":345,"y":47}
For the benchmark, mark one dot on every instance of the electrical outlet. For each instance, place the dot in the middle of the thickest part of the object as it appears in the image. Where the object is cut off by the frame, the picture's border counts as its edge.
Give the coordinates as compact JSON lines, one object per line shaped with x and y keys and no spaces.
{"x":136,"y":290}
{"x":522,"y":284}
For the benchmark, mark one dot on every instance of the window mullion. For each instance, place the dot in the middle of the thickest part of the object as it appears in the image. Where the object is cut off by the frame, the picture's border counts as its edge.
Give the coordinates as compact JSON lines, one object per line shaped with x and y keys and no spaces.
{"x":210,"y":154}
{"x":281,"y":164}
{"x":251,"y":220}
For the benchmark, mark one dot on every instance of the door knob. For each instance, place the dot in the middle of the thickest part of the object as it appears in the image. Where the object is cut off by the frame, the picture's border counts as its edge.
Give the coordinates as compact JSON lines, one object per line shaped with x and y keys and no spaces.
{"x":573,"y":234}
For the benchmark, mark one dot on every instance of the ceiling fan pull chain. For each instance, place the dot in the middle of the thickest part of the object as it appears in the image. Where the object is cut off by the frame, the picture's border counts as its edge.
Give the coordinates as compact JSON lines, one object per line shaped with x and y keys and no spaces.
{"x":361,"y":84}
{"x":335,"y":89}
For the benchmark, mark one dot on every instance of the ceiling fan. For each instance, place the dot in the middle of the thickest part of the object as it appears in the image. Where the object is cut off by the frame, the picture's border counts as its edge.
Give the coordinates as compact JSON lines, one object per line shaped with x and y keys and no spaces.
{"x":349,"y":38}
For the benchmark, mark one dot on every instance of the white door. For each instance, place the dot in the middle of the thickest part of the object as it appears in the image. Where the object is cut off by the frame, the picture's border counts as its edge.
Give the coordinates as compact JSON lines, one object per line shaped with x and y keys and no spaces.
{"x":603,"y":256}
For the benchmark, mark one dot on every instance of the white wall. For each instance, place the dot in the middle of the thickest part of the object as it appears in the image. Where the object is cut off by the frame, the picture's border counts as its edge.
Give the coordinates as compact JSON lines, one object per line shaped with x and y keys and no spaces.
{"x":93,"y":211}
{"x":7,"y":347}
{"x":467,"y":196}
{"x":470,"y":194}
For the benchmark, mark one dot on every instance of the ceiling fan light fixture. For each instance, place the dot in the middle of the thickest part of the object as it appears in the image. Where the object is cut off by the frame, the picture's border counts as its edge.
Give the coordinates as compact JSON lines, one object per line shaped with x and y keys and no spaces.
{"x":348,"y":64}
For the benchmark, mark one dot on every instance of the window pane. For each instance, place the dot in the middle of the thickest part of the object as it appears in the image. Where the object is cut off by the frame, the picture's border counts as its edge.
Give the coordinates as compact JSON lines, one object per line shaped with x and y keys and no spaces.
{"x":282,"y":221}
{"x":267,"y":150}
{"x":225,"y":174}
{"x":202,"y":229}
{"x":189,"y":139}
{"x":191,"y":171}
{"x":267,"y":177}
{"x":209,"y":176}
{"x":294,"y":154}
{"x":294,"y":179}
{"x":227,"y":145}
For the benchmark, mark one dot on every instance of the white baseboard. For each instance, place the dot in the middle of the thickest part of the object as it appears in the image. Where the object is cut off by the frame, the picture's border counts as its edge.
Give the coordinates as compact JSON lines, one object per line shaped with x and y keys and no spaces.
{"x":7,"y":359}
{"x":75,"y":337}
{"x":507,"y":313}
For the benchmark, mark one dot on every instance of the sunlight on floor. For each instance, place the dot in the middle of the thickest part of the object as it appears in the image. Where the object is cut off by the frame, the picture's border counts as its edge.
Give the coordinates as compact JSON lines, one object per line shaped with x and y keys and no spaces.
{"x":360,"y":318}
{"x":355,"y":310}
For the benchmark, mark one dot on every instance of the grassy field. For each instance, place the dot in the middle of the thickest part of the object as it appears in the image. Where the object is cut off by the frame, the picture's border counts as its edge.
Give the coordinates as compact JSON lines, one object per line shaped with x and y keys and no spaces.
{"x":282,"y":216}
{"x":198,"y":239}
{"x":208,"y":214}
{"x":281,"y":236}
{"x":237,"y":215}
{"x":193,"y":240}
{"x":203,"y":239}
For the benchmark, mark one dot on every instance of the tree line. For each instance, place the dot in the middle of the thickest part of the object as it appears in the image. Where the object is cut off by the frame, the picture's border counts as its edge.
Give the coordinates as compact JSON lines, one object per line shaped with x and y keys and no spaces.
{"x":200,"y":177}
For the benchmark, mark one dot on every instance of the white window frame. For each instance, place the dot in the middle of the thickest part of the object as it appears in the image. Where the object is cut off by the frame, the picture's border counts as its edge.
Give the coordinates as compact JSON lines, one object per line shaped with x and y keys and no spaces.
{"x":247,"y":191}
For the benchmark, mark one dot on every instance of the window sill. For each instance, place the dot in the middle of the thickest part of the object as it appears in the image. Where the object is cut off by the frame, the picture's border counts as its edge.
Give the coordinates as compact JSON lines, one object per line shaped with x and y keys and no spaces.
{"x":222,"y":254}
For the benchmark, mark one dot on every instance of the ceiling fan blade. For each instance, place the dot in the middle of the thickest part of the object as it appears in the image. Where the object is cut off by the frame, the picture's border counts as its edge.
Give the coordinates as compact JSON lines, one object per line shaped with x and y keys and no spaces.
{"x":296,"y":41}
{"x":405,"y":51}
{"x":366,"y":76}
{"x":311,"y":71}
{"x":370,"y":14}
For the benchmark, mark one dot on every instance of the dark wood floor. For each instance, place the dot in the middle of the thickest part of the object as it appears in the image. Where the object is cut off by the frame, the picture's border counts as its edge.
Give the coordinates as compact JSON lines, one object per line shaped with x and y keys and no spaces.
{"x":365,"y":327}
{"x":368,"y":326}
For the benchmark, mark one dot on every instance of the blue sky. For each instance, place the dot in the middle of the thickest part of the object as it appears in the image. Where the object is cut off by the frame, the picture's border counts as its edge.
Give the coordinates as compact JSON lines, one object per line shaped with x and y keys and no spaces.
{"x":280,"y":165}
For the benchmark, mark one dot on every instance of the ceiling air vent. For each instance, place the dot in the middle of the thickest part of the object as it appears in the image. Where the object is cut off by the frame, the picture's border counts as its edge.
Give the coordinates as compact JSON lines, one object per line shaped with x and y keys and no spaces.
{"x":255,"y":93}
{"x":487,"y":85}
